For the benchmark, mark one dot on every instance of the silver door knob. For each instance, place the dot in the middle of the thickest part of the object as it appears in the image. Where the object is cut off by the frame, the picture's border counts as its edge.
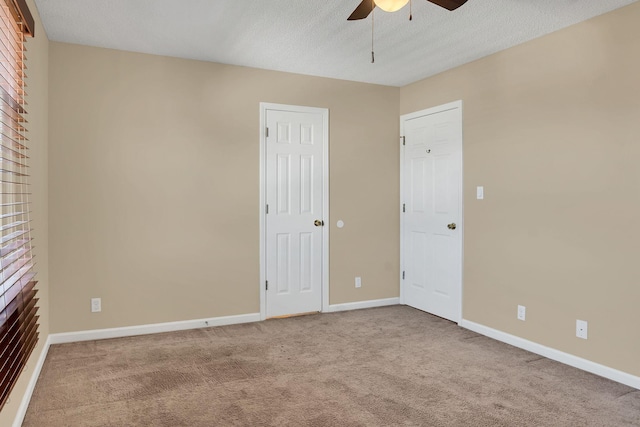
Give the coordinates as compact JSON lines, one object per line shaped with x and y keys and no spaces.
{"x":452,"y":226}
{"x":318,"y":223}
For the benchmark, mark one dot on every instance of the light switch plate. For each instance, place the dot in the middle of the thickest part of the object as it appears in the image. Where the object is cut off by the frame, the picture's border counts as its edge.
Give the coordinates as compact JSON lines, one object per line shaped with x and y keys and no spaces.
{"x":480,"y":193}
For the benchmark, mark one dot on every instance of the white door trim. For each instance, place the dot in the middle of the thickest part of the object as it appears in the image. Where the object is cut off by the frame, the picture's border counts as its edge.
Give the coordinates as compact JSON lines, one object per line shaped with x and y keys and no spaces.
{"x":264,"y":106}
{"x":403,"y":118}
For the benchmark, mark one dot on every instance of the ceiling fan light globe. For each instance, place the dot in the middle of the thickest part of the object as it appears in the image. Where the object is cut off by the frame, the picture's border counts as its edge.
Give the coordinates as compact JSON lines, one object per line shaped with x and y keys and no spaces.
{"x":391,"y":5}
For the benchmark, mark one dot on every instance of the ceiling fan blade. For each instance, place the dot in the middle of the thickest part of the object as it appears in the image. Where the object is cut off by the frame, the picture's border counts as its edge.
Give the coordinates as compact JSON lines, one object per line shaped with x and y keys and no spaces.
{"x":363,"y":10}
{"x":449,"y":4}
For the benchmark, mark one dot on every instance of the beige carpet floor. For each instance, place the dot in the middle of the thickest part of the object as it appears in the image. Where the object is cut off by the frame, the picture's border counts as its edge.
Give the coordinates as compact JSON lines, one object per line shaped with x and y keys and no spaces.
{"x":392,"y":366}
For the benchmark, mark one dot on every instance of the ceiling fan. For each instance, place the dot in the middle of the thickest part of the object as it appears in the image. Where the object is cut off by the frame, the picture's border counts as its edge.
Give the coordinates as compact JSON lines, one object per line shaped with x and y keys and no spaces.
{"x":366,"y":7}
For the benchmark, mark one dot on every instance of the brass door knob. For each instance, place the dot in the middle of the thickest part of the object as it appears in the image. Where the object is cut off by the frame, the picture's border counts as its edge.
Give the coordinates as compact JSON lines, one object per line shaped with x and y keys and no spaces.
{"x":318,"y":223}
{"x":452,"y":226}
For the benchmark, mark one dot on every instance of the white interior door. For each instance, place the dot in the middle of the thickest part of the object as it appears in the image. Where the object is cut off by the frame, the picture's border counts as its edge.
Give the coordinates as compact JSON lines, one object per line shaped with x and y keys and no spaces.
{"x":294,"y":212}
{"x":432,"y":210}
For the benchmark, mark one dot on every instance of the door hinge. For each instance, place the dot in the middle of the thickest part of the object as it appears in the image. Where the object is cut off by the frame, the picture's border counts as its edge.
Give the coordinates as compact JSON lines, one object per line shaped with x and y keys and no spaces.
{"x":403,"y":275}
{"x":404,"y":207}
{"x":404,"y":140}
{"x":267,"y":209}
{"x":266,"y":132}
{"x":266,"y":283}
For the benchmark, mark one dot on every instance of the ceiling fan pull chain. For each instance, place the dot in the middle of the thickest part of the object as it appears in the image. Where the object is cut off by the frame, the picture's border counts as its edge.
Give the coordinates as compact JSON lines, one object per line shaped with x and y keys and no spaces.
{"x":373,"y":57}
{"x":410,"y":10}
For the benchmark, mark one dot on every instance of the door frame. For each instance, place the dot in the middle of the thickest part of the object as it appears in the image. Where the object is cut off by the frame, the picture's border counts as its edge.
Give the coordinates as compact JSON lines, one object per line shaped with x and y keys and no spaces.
{"x":264,"y":107}
{"x":434,"y":110}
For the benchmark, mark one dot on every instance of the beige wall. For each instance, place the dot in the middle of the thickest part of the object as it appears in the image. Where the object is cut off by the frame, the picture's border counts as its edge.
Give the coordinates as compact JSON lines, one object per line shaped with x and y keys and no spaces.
{"x":37,"y":108}
{"x":551,"y":131}
{"x":154,"y":186}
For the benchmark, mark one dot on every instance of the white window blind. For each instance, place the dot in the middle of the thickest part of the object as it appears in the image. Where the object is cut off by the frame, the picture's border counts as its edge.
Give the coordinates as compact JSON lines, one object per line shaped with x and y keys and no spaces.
{"x":18,"y":305}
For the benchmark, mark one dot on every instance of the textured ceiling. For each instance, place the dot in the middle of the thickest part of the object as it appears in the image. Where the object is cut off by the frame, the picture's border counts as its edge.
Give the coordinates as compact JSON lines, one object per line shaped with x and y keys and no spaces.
{"x":313,"y":36}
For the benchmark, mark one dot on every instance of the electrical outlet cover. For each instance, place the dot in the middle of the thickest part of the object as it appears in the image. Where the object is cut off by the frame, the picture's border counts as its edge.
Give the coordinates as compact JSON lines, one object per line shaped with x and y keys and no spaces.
{"x":582,"y":330}
{"x":96,"y":305}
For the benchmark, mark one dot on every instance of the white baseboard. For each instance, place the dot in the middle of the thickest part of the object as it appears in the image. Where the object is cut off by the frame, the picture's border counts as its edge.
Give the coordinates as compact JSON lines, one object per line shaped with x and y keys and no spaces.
{"x":128,"y":331}
{"x":557,"y":355}
{"x":26,"y":397}
{"x":363,"y":304}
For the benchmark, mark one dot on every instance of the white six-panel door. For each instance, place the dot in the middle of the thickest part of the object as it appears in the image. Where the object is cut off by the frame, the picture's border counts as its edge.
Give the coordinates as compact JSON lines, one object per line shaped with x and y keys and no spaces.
{"x":294,"y":211}
{"x":432,"y":210}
